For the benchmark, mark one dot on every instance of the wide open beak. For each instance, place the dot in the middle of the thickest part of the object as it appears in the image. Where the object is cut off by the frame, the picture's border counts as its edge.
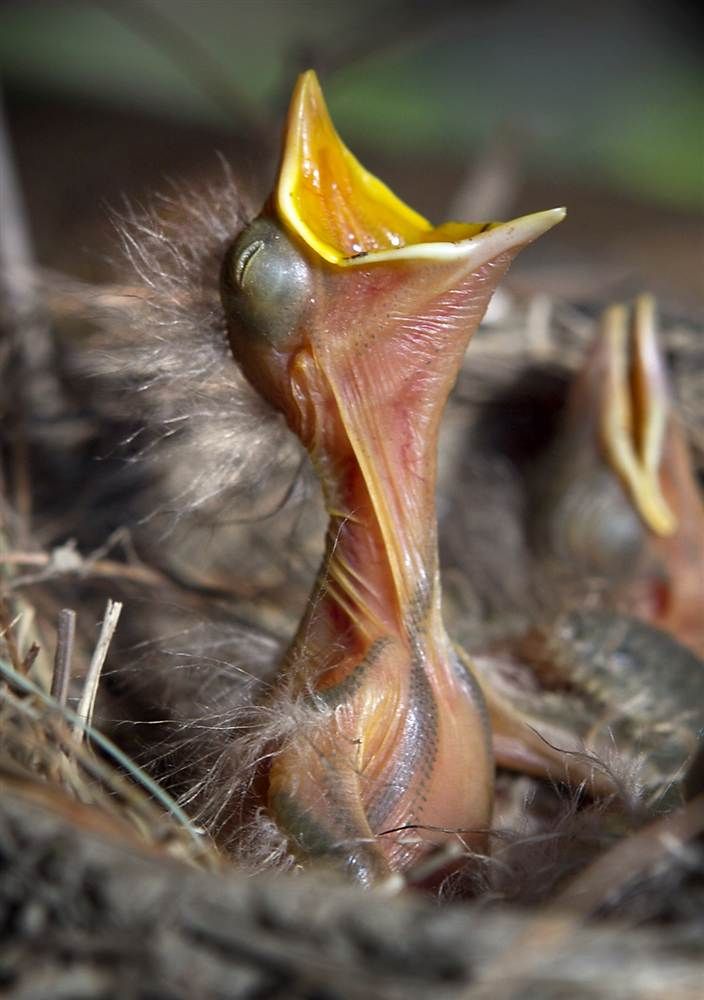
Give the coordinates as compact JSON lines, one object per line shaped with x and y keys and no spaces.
{"x":348,"y":217}
{"x":647,"y":447}
{"x":635,"y":410}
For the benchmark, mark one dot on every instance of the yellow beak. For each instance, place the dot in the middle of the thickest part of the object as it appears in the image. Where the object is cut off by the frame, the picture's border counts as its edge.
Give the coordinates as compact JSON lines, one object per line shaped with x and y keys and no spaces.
{"x":635,"y":414}
{"x":348,"y":217}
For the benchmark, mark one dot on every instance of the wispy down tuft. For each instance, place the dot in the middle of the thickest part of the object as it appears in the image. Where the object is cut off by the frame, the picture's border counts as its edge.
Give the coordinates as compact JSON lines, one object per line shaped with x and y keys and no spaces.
{"x":168,"y":351}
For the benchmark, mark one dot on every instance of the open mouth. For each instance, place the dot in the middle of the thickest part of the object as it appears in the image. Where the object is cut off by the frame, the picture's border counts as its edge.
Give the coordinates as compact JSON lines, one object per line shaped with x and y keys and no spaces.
{"x":348,"y":217}
{"x":635,"y":415}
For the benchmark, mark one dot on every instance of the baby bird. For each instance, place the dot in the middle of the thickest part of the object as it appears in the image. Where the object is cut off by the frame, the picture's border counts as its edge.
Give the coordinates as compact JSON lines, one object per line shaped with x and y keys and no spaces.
{"x":616,"y":509}
{"x":617,"y":497}
{"x":350,"y":314}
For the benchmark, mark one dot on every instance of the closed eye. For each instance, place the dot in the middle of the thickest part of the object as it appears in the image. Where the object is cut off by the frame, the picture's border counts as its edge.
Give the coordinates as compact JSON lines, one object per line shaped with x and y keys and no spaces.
{"x":245,"y":259}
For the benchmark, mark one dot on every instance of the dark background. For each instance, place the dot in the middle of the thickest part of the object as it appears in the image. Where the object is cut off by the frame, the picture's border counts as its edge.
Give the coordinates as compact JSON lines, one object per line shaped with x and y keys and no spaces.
{"x":468,"y":110}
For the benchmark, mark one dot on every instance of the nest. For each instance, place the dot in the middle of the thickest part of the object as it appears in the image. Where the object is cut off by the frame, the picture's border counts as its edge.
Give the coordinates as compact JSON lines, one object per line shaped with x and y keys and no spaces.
{"x":159,"y":532}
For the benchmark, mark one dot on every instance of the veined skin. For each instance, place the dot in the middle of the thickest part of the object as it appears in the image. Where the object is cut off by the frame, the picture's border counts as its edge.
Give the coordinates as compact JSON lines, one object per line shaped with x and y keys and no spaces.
{"x":358,"y":338}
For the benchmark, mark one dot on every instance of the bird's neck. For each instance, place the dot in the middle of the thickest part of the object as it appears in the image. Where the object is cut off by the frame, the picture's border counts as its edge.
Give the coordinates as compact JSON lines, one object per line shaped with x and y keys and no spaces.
{"x":381,"y":559}
{"x":377,"y":463}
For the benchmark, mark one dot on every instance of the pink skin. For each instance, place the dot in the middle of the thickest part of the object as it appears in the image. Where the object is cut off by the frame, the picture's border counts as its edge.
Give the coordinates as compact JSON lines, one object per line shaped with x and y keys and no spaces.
{"x":400,"y":736}
{"x":671,"y":591}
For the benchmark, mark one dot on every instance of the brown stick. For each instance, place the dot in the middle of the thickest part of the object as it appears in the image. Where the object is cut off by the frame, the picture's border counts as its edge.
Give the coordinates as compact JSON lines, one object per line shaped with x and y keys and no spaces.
{"x":64,"y":653}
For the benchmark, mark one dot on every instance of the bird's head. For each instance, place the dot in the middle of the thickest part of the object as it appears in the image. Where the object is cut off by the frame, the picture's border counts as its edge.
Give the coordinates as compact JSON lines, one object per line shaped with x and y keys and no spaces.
{"x":340,"y":271}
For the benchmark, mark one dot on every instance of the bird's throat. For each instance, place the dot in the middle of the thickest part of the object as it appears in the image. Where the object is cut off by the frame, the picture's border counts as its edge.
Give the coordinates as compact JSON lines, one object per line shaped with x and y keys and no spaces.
{"x":399,"y":717}
{"x":376,"y":460}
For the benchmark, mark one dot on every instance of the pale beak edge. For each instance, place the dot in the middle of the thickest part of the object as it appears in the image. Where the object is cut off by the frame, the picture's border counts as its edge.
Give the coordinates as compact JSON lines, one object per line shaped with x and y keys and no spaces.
{"x":497,"y":239}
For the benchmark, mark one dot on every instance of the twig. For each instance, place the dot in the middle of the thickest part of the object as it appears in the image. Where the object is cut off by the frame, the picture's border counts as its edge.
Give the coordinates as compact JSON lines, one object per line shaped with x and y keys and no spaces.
{"x":489,"y":186}
{"x":16,"y":272}
{"x":35,"y":386}
{"x":53,"y":567}
{"x":64,"y":653}
{"x":7,"y":624}
{"x":539,"y":323}
{"x":93,"y":763}
{"x":66,"y":561}
{"x":90,"y":688}
{"x":30,"y":656}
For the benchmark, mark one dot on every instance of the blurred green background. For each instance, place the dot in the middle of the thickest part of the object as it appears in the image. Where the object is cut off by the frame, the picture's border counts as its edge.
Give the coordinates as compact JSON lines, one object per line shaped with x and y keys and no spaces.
{"x":466,"y":108}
